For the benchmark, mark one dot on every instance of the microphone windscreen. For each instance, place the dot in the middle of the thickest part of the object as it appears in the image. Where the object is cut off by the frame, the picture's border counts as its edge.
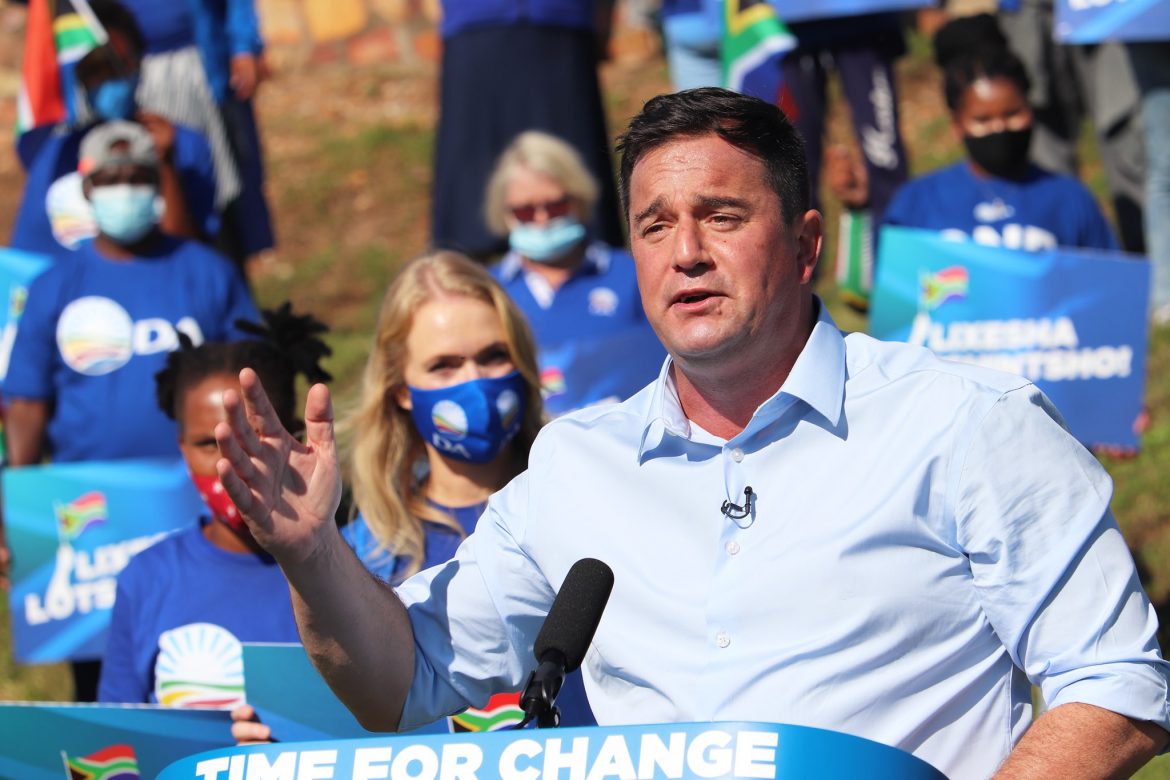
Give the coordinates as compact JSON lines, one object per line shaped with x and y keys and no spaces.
{"x":572,"y":620}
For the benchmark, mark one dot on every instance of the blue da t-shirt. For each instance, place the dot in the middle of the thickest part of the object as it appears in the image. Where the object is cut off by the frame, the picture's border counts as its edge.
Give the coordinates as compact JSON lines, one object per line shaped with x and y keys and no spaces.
{"x":439,"y":543}
{"x":181,"y":611}
{"x":95,"y":332}
{"x":600,"y":298}
{"x":1044,"y":210}
{"x":54,"y":215}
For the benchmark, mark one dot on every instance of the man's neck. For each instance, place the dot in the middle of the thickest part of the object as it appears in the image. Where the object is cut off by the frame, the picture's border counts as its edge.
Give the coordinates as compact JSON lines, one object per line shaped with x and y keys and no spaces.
{"x":721,"y":399}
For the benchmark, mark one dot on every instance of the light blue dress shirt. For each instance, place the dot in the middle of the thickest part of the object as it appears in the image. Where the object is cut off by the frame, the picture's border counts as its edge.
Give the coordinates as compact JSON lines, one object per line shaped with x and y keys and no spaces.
{"x":926,"y":539}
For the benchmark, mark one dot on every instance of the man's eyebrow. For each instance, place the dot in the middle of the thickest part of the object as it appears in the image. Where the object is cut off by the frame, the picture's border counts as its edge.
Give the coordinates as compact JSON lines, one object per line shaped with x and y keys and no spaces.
{"x":656,"y":205}
{"x":721,"y":202}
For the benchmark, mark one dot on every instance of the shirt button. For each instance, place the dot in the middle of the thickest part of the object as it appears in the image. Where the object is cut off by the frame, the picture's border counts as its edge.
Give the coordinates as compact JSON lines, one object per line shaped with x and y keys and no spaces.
{"x":737,"y":455}
{"x":722,"y":639}
{"x":732,"y":548}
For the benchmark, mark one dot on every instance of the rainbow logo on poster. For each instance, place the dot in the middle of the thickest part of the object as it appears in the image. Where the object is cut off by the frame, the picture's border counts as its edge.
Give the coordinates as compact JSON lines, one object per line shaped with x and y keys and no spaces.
{"x":80,"y":514}
{"x":552,"y":381}
{"x":949,"y":284}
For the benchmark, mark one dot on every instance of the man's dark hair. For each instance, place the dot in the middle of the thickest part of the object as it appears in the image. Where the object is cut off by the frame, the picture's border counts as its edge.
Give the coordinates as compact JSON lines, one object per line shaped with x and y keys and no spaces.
{"x":114,"y":16}
{"x":755,"y":126}
{"x":992,"y":62}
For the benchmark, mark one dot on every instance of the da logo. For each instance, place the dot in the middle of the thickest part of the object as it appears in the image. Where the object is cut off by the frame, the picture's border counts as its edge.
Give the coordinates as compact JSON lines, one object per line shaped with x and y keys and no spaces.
{"x":116,"y":762}
{"x":602,"y":301}
{"x":199,"y":665}
{"x":80,"y":514}
{"x":96,"y":336}
{"x":502,"y":712}
{"x":552,"y":381}
{"x":449,"y":419}
{"x":508,"y":405}
{"x":949,"y":284}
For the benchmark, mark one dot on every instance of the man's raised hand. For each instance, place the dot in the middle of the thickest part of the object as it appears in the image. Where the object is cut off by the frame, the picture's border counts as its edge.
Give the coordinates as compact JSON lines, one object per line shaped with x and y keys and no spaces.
{"x":287,"y":491}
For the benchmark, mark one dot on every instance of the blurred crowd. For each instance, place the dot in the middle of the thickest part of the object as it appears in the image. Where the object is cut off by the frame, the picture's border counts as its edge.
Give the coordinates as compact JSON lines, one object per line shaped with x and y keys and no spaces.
{"x":148,"y":195}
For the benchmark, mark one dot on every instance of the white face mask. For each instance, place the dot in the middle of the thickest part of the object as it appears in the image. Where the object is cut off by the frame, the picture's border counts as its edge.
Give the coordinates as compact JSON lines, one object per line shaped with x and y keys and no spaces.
{"x":126,"y":212}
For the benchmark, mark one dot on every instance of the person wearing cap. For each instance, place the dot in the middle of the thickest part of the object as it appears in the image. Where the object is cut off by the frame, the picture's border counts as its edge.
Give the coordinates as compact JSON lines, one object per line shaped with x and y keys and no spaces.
{"x":98,"y":323}
{"x":54,"y":215}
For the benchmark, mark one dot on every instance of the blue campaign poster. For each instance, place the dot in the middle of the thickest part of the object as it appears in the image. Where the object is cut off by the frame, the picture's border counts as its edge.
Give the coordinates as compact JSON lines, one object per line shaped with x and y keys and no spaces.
{"x":17,"y":270}
{"x":1072,"y":321}
{"x":72,"y":528}
{"x":1094,"y":21}
{"x":654,"y":752}
{"x":51,"y":741}
{"x":597,"y":370}
{"x":803,"y":10}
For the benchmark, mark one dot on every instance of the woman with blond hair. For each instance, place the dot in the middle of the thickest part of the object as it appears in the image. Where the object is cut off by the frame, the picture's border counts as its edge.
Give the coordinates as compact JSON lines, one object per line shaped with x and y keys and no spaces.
{"x":449,"y":407}
{"x":577,"y":293}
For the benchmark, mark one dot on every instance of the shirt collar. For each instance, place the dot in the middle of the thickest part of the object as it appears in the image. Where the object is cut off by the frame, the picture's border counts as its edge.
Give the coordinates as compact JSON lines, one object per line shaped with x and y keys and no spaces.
{"x":817,"y":379}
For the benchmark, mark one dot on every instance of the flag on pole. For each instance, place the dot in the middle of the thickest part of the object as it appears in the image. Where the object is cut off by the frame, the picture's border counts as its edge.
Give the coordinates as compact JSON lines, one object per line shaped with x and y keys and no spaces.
{"x":58,"y":34}
{"x":754,"y":39}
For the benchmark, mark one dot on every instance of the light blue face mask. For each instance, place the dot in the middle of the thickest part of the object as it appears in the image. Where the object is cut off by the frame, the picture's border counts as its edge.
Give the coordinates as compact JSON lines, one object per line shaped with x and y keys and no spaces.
{"x":470,"y":421}
{"x":114,"y":99}
{"x":549,"y":242}
{"x":125,"y":212}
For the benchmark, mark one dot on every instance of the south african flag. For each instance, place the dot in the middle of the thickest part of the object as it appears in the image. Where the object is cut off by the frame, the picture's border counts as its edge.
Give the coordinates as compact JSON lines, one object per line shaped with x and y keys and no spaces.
{"x":116,"y":762}
{"x":81,"y":513}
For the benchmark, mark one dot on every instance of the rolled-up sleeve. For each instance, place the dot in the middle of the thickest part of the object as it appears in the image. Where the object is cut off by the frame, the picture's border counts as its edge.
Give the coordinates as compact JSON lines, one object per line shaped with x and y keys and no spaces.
{"x":1053,"y":573}
{"x":475,"y":617}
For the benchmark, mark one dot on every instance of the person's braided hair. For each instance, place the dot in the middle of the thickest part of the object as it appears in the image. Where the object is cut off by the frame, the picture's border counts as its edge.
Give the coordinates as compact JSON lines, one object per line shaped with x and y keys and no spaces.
{"x":284,"y":346}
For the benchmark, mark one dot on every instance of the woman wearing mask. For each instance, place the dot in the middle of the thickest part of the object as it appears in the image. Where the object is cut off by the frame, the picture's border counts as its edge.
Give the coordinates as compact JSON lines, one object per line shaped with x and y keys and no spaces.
{"x":179,"y":618}
{"x":995,"y":196}
{"x":450,"y":405}
{"x":541,"y":196}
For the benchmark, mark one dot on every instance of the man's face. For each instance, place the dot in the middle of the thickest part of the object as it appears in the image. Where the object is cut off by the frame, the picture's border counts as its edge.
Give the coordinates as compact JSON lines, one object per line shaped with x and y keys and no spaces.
{"x":720,"y":270}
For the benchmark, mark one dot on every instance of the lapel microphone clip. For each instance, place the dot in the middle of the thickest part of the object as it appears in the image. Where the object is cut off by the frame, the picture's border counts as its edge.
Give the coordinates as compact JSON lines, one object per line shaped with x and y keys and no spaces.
{"x":735,"y":511}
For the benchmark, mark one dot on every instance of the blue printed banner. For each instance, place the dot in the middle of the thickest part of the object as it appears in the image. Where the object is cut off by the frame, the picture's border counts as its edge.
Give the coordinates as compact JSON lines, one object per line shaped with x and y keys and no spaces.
{"x":1072,"y":321}
{"x":680,"y":750}
{"x":803,"y":10}
{"x":596,"y":370}
{"x":51,"y":741}
{"x":17,"y":270}
{"x":1094,"y":21}
{"x":72,"y":528}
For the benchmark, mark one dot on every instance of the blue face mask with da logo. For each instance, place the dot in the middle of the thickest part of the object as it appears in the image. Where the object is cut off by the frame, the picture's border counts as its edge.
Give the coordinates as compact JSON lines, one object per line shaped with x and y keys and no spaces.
{"x":471,"y":421}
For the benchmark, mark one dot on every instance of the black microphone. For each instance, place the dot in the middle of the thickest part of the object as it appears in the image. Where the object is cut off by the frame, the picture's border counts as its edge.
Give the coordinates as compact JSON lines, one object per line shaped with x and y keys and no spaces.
{"x":564,"y":638}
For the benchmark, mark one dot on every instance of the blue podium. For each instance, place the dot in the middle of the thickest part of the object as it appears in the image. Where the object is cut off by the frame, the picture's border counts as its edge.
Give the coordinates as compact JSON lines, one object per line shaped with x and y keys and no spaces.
{"x":653,"y":752}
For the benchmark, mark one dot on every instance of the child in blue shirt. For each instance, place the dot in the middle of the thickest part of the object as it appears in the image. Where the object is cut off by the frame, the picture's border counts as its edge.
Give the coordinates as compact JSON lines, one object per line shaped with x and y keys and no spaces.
{"x":184,"y":605}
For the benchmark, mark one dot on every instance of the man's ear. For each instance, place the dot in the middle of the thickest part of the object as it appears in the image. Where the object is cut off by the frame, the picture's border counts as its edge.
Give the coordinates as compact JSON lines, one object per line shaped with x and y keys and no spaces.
{"x":810,"y":234}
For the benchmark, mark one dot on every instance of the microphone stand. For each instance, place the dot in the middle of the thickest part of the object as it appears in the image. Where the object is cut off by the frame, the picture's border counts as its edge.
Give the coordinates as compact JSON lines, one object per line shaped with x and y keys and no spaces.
{"x":540,"y":692}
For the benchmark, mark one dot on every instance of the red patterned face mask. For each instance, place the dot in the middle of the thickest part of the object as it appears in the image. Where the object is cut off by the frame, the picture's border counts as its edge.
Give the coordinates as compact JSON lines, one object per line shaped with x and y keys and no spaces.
{"x":220,"y":504}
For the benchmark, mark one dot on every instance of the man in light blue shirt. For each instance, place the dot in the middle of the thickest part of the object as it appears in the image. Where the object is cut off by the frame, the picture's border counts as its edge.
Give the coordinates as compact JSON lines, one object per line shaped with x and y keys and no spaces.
{"x":924,"y":538}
